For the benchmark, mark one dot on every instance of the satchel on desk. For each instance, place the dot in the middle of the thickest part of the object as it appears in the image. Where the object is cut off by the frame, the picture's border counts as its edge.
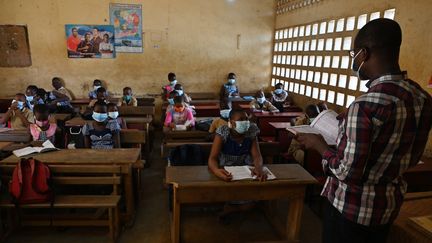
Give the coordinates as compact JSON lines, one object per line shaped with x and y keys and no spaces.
{"x":30,"y":182}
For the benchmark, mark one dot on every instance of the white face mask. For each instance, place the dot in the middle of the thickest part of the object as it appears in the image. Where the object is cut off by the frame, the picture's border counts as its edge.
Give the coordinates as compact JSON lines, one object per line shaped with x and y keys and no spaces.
{"x":242,"y":126}
{"x":261,"y":100}
{"x":231,"y":81}
{"x":225,"y":113}
{"x":357,"y":72}
{"x":96,"y":87}
{"x":113,"y":114}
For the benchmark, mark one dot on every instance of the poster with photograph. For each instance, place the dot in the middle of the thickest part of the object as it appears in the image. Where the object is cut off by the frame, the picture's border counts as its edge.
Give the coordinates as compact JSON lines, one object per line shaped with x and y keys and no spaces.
{"x":127,"y":22}
{"x":90,"y":41}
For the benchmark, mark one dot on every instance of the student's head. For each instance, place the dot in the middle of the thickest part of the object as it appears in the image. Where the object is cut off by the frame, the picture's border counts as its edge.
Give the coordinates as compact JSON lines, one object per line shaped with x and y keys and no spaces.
{"x":95,"y":32}
{"x":171,"y":97}
{"x":238,"y":121}
{"x":322,"y":106}
{"x":231,"y":78}
{"x":179,"y":105}
{"x":57,"y":83}
{"x":100,"y":93}
{"x":106,"y":38}
{"x":20,"y":99}
{"x":31,"y":92}
{"x":41,"y":94}
{"x":259,"y":95}
{"x":112,"y":111}
{"x":74,"y":32}
{"x":376,"y":48}
{"x":312,"y":111}
{"x":171,"y":77}
{"x":278,"y":88}
{"x":41,"y":114}
{"x":100,"y":111}
{"x":179,"y":89}
{"x":127,"y":91}
{"x":97,"y":84}
{"x":87,"y":36}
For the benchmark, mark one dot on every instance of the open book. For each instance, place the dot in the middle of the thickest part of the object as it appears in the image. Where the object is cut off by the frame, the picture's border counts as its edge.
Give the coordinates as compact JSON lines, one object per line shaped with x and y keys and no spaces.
{"x":183,"y":127}
{"x":46,"y":147}
{"x":325,"y":124}
{"x":245,"y":173}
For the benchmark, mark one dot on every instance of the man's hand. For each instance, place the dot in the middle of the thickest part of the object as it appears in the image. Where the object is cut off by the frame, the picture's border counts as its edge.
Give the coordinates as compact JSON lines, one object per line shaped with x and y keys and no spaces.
{"x":259,"y":173}
{"x":223,"y":174}
{"x":312,"y":141}
{"x":14,"y":106}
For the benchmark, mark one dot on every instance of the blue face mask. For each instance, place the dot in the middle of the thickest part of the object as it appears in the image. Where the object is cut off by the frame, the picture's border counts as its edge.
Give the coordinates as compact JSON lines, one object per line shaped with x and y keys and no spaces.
{"x":171,"y":101}
{"x":174,"y":82}
{"x":128,"y":97}
{"x":231,"y":81}
{"x":100,"y":117}
{"x":261,"y":100}
{"x":278,"y":91}
{"x":225,"y":113}
{"x":29,"y":98}
{"x":180,"y":92}
{"x":242,"y":126}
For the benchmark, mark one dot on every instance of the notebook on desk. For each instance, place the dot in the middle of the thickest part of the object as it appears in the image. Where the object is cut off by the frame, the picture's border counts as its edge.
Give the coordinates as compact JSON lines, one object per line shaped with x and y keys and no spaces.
{"x":245,"y":173}
{"x":47,"y":146}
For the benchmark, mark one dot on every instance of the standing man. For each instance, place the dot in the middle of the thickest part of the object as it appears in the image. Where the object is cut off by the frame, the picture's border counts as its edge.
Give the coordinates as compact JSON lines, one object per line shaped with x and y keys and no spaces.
{"x":96,"y":41}
{"x":73,"y":41}
{"x":381,"y":135}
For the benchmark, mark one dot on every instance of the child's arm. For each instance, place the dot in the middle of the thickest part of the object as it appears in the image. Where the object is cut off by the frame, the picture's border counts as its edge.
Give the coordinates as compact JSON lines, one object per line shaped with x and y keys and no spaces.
{"x":213,"y":161}
{"x":257,"y":160}
{"x":272,"y":108}
{"x":23,"y":119}
{"x":190,"y":118}
{"x":134,"y":101}
{"x":168,"y":119}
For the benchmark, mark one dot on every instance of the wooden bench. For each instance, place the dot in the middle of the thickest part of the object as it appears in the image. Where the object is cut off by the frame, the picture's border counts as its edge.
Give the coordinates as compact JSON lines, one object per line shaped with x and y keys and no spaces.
{"x":84,"y":177}
{"x":20,"y":136}
{"x":203,"y":96}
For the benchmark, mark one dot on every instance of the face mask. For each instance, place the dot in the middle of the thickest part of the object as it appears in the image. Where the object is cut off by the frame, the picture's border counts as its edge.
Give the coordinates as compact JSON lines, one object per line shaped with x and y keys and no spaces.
{"x":179,"y":109}
{"x":242,"y":126}
{"x":20,"y":104}
{"x":261,"y":100}
{"x":127,"y":97}
{"x":180,"y":92}
{"x":278,"y":91}
{"x":96,"y":87}
{"x":99,"y":117}
{"x":113,"y":114}
{"x":29,"y":98}
{"x":41,"y":123}
{"x":225,"y":113}
{"x":171,"y":101}
{"x":357,"y":72}
{"x":174,"y":82}
{"x":231,"y":81}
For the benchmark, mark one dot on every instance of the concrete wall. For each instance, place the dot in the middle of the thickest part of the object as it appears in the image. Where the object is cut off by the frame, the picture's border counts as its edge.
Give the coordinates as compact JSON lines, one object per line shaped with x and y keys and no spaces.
{"x":197,"y":40}
{"x":413,"y":16}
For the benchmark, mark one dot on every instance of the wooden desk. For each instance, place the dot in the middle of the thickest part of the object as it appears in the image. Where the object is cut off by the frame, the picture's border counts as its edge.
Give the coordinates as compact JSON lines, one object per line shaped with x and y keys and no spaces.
{"x":140,"y":111}
{"x":205,"y":109}
{"x":76,"y":122}
{"x":205,"y":102}
{"x":202,"y":96}
{"x":22,"y":136}
{"x":419,"y":176}
{"x":5,"y":145}
{"x":282,"y":135}
{"x":402,"y":231}
{"x":122,"y":157}
{"x":195,"y":184}
{"x":263,"y":119}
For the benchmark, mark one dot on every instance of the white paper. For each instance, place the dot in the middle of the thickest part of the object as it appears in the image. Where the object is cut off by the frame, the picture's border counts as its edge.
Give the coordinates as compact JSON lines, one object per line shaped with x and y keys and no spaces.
{"x":180,"y":128}
{"x":47,"y":146}
{"x":245,"y":172}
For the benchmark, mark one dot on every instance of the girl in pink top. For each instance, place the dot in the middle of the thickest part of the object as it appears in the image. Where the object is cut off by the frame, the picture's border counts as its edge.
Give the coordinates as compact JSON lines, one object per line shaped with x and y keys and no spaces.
{"x":179,"y":115}
{"x":42,"y":129}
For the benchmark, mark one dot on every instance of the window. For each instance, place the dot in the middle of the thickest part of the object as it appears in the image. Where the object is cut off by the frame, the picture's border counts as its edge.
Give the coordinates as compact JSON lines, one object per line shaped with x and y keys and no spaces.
{"x":312,"y":59}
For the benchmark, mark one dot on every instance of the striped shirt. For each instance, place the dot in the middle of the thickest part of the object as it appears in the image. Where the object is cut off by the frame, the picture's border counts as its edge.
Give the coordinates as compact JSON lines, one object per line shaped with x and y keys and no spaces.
{"x":381,"y":135}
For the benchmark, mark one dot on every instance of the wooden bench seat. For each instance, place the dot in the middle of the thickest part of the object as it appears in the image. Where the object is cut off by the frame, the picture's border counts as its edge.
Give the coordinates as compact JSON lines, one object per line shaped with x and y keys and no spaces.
{"x":72,"y":201}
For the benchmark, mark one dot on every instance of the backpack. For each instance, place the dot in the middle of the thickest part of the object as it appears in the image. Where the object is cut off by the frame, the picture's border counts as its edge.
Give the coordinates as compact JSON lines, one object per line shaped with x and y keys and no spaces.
{"x":31,"y":182}
{"x":187,"y":154}
{"x":203,"y":125}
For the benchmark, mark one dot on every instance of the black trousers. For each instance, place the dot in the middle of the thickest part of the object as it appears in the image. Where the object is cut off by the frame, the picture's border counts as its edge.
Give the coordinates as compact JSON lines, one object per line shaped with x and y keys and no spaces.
{"x":337,"y":229}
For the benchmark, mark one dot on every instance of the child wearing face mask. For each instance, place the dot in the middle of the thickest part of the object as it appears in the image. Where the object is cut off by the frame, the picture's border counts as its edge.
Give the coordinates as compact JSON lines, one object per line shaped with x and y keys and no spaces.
{"x":42,"y":129}
{"x":260,"y":104}
{"x":179,"y":115}
{"x":113,"y":116}
{"x":167,"y":89}
{"x":96,"y":85}
{"x":18,"y":114}
{"x":30,"y":95}
{"x":220,"y":121}
{"x":128,"y":99}
{"x":229,"y":90}
{"x":279,"y":97}
{"x":100,"y":133}
{"x":179,"y":89}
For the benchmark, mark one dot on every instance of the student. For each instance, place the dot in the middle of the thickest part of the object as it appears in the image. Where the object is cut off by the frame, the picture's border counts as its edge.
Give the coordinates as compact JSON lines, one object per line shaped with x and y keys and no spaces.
{"x":382,"y":134}
{"x":220,"y":121}
{"x":100,"y":96}
{"x":113,"y":115}
{"x":229,"y":90}
{"x":170,"y":100}
{"x":60,"y":97}
{"x":96,"y":85}
{"x":279,"y":97}
{"x":30,"y":94}
{"x":179,"y":115}
{"x":100,"y":133}
{"x":18,"y":114}
{"x":128,"y":99}
{"x":295,"y":149}
{"x":42,"y":130}
{"x":172,"y":79}
{"x":41,"y":97}
{"x":179,"y":89}
{"x":260,"y":104}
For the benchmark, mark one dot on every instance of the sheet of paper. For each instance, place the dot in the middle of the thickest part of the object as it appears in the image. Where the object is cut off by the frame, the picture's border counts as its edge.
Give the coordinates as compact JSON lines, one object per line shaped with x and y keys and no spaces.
{"x":24,"y":151}
{"x":239,"y":172}
{"x":327,"y":124}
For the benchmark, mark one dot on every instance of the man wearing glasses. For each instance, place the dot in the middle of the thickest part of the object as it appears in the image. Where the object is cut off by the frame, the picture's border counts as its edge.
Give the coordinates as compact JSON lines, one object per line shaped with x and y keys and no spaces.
{"x":381,"y":135}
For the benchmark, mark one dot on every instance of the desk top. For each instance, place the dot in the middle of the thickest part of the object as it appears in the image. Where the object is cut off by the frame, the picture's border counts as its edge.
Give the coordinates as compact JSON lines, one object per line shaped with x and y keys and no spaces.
{"x":76,"y":122}
{"x":62,"y":117}
{"x":138,"y":120}
{"x":21,"y":135}
{"x":280,"y":125}
{"x":426,"y":166}
{"x":277,"y":114}
{"x":84,"y":156}
{"x":5,"y":144}
{"x":200,"y":175}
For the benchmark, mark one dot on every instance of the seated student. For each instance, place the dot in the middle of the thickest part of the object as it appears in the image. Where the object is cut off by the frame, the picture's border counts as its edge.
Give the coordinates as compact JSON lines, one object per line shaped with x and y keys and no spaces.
{"x":41,"y":97}
{"x":128,"y":99}
{"x":295,"y":149}
{"x":101,"y":133}
{"x":229,"y":90}
{"x":322,"y":106}
{"x":100,"y":96}
{"x":96,"y":85}
{"x":42,"y":129}
{"x":260,"y":104}
{"x":18,"y":114}
{"x":113,"y":115}
{"x":170,"y":100}
{"x":30,"y":94}
{"x":60,"y":98}
{"x":279,"y":97}
{"x":179,"y":89}
{"x":172,"y":79}
{"x":220,"y":121}
{"x":179,"y":115}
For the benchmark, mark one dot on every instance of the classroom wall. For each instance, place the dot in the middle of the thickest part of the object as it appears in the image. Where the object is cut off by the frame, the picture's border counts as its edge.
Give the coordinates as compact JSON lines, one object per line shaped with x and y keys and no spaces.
{"x":413,"y":16}
{"x":195,"y":39}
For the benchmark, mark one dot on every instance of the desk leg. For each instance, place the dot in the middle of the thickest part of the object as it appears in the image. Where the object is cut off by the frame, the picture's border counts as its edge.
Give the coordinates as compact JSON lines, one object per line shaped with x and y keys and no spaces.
{"x":175,"y":224}
{"x":294,"y":218}
{"x":129,"y":194}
